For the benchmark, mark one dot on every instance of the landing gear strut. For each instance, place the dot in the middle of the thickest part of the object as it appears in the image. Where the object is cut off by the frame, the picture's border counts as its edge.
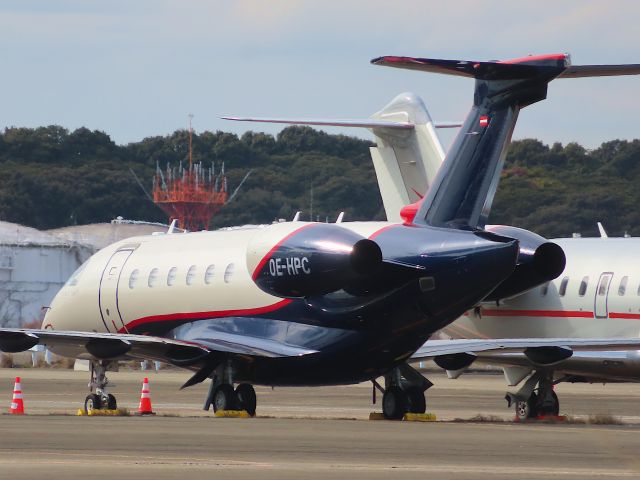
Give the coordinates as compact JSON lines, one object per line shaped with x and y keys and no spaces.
{"x":536,"y":397}
{"x":222,"y":395}
{"x":99,"y":399}
{"x":403,"y":392}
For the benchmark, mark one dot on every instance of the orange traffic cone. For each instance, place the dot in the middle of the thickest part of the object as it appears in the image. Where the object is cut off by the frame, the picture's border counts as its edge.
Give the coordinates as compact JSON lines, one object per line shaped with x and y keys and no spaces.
{"x":145,"y":399}
{"x":17,"y":405}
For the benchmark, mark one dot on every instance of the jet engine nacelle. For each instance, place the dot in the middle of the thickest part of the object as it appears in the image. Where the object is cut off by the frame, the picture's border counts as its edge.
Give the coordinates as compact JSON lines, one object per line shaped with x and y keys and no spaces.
{"x":539,"y":261}
{"x":313,"y":259}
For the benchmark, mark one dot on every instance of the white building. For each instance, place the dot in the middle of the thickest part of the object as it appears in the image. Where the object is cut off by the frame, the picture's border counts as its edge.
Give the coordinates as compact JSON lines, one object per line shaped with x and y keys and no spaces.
{"x":33,"y":267}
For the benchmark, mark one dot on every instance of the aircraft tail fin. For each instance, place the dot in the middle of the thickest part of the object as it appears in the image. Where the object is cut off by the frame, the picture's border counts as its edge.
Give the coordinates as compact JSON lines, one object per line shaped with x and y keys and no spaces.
{"x":407,"y":154}
{"x":462,"y":192}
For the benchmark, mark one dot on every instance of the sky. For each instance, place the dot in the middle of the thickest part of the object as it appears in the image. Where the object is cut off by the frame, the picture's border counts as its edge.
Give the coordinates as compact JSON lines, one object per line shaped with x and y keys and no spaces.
{"x":138,"y":68}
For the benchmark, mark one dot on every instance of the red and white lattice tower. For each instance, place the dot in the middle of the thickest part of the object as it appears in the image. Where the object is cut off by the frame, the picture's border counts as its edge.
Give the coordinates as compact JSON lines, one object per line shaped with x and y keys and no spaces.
{"x":192,"y":195}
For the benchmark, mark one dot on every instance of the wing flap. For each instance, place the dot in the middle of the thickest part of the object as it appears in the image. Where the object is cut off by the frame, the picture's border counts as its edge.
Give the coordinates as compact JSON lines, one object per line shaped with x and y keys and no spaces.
{"x":101,"y":346}
{"x":435,"y":348}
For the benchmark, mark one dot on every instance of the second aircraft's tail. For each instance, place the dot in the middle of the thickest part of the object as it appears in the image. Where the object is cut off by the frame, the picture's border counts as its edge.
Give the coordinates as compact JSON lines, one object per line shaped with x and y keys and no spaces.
{"x":407,"y":154}
{"x":462,"y":192}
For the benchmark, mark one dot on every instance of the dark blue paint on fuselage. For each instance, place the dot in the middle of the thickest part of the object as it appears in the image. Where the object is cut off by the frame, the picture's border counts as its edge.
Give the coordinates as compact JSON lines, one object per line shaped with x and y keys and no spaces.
{"x":361,"y":332}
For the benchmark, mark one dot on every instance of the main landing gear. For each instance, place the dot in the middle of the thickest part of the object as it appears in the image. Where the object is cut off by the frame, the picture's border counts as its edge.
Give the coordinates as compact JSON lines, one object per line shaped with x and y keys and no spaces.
{"x":223,"y":396}
{"x":99,"y":399}
{"x":403,"y":392}
{"x":536,"y":398}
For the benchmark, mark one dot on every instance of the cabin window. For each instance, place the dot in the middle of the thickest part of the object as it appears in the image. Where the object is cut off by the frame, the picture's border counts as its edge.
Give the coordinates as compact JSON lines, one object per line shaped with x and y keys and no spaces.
{"x":228,"y":272}
{"x":209,"y":273}
{"x":133,"y":278}
{"x":171,"y":276}
{"x":622,"y":289}
{"x":154,"y":276}
{"x":563,"y":286}
{"x":583,"y":286}
{"x":544,"y":289}
{"x":191,"y":274}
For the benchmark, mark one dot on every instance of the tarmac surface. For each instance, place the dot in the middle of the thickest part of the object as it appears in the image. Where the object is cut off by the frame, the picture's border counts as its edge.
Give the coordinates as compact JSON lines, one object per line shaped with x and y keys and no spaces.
{"x":311,"y":433}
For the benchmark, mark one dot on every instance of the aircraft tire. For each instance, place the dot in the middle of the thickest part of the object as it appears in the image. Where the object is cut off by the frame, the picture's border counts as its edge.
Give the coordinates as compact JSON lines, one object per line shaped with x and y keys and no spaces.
{"x":416,"y":400}
{"x":394,"y":403}
{"x":92,"y":402}
{"x":526,"y":409}
{"x":247,"y":400}
{"x":552,"y":409}
{"x":112,"y":404}
{"x":224,"y":398}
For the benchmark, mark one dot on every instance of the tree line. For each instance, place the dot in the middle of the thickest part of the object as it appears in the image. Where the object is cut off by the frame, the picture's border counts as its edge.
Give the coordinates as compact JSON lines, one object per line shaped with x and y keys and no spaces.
{"x":51,"y":177}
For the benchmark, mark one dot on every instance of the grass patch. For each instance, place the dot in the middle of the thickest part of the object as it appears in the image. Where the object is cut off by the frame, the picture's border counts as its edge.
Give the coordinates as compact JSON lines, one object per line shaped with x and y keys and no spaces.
{"x":597,"y":419}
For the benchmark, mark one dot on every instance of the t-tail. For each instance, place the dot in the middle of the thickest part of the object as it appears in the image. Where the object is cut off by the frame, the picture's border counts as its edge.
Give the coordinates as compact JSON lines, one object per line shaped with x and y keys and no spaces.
{"x":463,"y":189}
{"x":407,"y":154}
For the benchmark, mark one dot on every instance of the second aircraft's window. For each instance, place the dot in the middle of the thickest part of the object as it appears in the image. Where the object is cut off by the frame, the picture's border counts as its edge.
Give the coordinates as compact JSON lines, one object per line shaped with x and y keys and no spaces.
{"x":583,"y":286}
{"x":622,"y":289}
{"x":604,"y":286}
{"x":154,"y":276}
{"x":563,"y":286}
{"x":228,"y":272}
{"x":191,"y":274}
{"x":171,"y":276}
{"x":209,"y":273}
{"x":133,"y":279}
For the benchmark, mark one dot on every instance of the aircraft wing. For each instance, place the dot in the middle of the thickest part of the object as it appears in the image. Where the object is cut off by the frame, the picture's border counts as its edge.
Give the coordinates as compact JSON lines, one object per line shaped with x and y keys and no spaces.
{"x":541,"y":351}
{"x":115,"y":346}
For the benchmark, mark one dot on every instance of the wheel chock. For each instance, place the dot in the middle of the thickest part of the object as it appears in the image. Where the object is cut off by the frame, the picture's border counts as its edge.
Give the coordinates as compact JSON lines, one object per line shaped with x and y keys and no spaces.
{"x":102,"y":413}
{"x":232,"y":414}
{"x":419,"y":417}
{"x":376,"y":416}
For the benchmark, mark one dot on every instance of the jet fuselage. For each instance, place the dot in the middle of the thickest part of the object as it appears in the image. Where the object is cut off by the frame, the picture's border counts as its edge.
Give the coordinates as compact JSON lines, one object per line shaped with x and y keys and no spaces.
{"x":204,"y":285}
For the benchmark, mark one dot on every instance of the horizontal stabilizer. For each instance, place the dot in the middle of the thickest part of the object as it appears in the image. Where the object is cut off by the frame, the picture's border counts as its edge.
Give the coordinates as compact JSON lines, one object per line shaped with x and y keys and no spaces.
{"x":368,"y":123}
{"x":581,"y":71}
{"x":328,"y":122}
{"x":507,"y":69}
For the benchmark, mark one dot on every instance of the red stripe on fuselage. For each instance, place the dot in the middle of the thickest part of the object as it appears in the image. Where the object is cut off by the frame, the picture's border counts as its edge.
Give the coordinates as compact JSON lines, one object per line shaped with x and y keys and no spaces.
{"x":383,"y":229}
{"x":240,"y":312}
{"x":536,"y":313}
{"x":628,"y":316}
{"x":266,"y":258}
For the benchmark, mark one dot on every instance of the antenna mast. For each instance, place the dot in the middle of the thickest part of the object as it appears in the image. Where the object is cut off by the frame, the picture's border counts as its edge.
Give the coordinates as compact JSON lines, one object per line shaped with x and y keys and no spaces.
{"x":190,"y":141}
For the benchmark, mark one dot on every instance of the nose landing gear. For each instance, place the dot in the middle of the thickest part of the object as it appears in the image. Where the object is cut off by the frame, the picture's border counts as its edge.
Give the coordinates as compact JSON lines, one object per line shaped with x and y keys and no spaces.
{"x":99,"y":399}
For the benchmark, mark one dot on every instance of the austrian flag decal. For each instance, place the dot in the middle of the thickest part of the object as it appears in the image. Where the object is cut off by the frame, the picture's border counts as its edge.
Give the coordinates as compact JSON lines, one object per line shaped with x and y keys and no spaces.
{"x":484,"y":121}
